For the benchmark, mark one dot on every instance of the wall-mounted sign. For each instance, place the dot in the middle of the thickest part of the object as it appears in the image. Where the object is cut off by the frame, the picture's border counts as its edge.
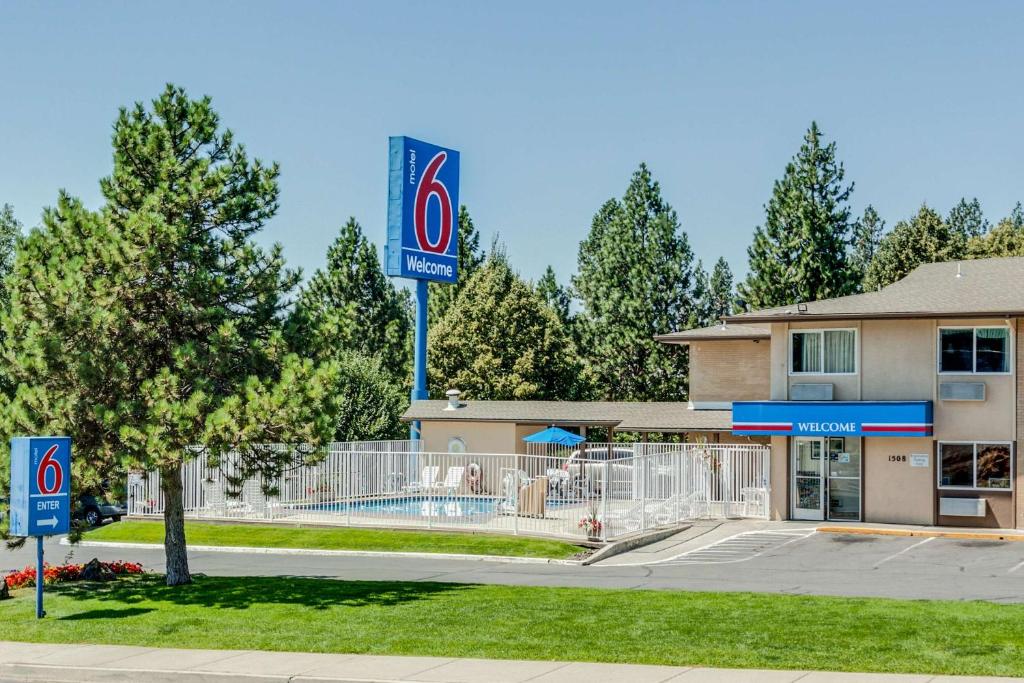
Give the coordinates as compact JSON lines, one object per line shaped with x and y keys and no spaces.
{"x":832,"y":418}
{"x":919,"y":460}
{"x":423,"y":210}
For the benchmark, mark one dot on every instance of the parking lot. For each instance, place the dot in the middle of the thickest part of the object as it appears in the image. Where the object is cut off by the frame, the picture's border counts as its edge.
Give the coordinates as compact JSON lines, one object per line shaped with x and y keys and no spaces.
{"x":773,"y":557}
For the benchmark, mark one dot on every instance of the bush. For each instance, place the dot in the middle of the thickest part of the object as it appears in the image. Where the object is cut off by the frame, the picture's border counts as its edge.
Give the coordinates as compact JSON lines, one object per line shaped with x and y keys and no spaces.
{"x":26,"y":578}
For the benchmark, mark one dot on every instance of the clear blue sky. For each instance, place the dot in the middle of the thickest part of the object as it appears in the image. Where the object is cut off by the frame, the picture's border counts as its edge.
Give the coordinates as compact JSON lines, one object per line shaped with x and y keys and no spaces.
{"x":552,"y":105}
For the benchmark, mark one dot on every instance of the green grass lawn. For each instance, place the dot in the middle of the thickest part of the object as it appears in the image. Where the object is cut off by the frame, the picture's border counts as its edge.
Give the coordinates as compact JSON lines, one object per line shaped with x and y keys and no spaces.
{"x":259,"y":536}
{"x":653,"y":627}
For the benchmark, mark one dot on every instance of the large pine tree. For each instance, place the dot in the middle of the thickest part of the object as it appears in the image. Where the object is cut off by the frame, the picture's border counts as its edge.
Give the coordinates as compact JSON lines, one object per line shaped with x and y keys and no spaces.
{"x":350,"y":305}
{"x":441,"y":295}
{"x":867,"y":235}
{"x":925,"y":238}
{"x":152,"y":325}
{"x":635,"y":281}
{"x":800,"y":253}
{"x":501,"y":341}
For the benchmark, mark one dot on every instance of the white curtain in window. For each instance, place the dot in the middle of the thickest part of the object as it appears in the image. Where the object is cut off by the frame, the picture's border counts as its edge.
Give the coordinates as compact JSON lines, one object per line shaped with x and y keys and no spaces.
{"x":839,"y":351}
{"x":810,"y":352}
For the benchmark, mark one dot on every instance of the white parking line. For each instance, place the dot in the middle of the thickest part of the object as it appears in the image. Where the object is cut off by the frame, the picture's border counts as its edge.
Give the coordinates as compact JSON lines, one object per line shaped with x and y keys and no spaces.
{"x":1015,"y":567}
{"x":905,"y":550}
{"x":739,"y":548}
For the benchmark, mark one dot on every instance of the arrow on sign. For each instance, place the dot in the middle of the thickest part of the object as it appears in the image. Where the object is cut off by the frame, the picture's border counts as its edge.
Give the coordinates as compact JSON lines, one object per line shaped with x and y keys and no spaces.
{"x":48,"y":522}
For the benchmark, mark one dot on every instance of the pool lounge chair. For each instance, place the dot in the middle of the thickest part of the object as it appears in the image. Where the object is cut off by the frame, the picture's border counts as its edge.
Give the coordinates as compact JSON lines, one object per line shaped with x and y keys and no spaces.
{"x":428,"y":477}
{"x":453,"y":479}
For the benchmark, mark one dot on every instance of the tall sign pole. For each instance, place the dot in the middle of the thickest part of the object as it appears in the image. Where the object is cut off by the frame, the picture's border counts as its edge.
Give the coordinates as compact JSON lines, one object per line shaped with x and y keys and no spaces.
{"x":40,"y":494}
{"x":423,"y":232}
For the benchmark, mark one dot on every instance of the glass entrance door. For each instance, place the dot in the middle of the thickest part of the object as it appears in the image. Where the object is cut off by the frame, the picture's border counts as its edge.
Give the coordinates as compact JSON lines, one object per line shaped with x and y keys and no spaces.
{"x":826,"y":478}
{"x":808,"y":478}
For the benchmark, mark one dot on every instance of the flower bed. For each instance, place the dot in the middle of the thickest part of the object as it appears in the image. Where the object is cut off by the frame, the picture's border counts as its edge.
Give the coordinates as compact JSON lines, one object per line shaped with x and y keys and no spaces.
{"x":67,"y":572}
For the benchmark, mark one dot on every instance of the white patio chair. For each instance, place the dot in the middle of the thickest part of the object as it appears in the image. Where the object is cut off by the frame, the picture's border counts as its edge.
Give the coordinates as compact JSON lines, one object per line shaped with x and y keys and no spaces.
{"x":427,"y":479}
{"x":453,"y":479}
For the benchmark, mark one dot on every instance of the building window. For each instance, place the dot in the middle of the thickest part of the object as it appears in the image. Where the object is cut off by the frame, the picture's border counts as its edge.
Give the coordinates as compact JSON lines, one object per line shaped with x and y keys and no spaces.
{"x":974,"y":350}
{"x":975,"y":465}
{"x":823,"y":352}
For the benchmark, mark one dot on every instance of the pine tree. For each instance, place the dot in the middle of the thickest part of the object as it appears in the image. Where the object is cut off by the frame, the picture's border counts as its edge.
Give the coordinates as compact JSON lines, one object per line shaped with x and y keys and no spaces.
{"x":925,"y":238}
{"x":555,"y":296}
{"x":442,"y":294}
{"x":635,"y":281}
{"x":967,"y":220}
{"x":800,"y":253}
{"x":720,"y":291}
{"x":351,"y":306}
{"x":369,"y":401}
{"x":867,"y":234}
{"x":500,"y":341}
{"x":153,"y":325}
{"x":10,"y":232}
{"x":1006,"y":239}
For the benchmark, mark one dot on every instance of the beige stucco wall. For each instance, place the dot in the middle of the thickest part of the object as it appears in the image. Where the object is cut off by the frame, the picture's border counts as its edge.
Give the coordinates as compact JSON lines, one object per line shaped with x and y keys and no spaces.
{"x":897,"y":360}
{"x":729,"y":370}
{"x":1018,"y":499}
{"x":480,"y":437}
{"x":894,"y":491}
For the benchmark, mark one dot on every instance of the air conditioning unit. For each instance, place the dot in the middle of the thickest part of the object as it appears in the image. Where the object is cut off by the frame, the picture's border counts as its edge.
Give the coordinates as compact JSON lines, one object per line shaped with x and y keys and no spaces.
{"x":962,"y":507}
{"x":962,"y":391}
{"x":810,"y":392}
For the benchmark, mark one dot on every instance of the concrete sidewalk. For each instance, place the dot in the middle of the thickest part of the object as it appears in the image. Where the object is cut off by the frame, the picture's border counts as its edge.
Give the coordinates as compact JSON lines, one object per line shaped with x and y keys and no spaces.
{"x":24,"y":662}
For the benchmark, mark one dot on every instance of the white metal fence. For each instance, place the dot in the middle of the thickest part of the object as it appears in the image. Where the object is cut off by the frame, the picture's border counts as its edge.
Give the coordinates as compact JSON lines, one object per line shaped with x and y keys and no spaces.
{"x":599,"y":490}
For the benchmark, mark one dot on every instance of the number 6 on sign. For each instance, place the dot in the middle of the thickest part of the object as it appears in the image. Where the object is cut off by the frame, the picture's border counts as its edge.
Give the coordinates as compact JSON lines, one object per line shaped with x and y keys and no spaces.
{"x":49,"y":464}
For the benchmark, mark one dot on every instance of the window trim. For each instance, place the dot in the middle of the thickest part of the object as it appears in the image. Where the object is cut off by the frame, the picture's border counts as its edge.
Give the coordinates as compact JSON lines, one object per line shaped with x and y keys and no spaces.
{"x":822,"y":331}
{"x":974,"y":351}
{"x":974,"y":466}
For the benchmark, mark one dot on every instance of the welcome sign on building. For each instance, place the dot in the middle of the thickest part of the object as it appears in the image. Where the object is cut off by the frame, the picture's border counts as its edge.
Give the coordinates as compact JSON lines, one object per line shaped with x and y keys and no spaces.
{"x":423,"y":206}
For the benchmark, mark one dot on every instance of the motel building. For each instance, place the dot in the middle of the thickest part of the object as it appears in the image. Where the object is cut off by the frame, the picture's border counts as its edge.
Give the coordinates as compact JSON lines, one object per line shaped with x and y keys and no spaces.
{"x":902,"y":405}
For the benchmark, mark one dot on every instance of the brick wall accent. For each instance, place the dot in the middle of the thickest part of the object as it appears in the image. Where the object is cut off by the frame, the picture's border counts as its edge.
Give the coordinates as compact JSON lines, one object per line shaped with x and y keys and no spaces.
{"x":730,"y":370}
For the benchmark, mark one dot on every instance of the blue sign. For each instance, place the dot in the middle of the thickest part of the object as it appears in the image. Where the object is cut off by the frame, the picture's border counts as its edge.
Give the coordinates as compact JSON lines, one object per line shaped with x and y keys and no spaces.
{"x":832,"y":418}
{"x":423,"y":211}
{"x":40,"y":485}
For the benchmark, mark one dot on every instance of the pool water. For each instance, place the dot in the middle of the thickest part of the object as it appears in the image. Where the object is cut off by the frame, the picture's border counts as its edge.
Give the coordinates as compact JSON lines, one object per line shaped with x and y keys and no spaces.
{"x":417,"y":506}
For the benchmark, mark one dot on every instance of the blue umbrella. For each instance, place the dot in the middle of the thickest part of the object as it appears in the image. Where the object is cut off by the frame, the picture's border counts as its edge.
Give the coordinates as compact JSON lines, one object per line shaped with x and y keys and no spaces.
{"x":555,"y":435}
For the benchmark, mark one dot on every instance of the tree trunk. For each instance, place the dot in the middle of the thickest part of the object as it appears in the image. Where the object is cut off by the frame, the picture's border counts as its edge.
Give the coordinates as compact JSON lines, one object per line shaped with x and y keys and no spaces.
{"x":174,"y":527}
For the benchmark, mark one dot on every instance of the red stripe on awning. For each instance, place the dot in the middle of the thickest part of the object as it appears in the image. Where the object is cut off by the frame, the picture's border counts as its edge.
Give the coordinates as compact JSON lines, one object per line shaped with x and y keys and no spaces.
{"x":763,"y":428}
{"x":896,"y":428}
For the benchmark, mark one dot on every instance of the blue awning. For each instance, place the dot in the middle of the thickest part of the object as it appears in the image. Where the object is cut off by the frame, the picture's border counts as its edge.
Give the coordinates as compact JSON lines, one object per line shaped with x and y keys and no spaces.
{"x":555,"y":435}
{"x":832,"y":418}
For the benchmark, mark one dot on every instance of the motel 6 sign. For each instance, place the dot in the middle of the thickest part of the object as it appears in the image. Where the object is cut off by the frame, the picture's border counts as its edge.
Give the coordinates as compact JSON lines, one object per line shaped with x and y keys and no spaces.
{"x":40,"y":485}
{"x":423,"y":210}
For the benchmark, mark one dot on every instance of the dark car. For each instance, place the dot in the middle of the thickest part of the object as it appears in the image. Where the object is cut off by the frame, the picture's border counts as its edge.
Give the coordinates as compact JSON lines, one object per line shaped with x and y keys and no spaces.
{"x":95,"y":509}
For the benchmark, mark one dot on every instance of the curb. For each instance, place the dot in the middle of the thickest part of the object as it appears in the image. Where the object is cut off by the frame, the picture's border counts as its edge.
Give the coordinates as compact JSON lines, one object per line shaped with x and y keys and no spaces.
{"x":922,"y":533}
{"x":506,"y":559}
{"x":633,"y":542}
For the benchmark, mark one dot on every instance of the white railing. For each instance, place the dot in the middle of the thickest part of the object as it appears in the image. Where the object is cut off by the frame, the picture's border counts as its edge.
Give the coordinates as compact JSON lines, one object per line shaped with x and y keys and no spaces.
{"x":547,"y":492}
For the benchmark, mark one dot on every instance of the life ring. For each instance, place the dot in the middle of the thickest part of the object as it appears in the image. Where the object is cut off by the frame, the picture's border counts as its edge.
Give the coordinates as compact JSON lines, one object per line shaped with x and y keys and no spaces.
{"x":473,"y":476}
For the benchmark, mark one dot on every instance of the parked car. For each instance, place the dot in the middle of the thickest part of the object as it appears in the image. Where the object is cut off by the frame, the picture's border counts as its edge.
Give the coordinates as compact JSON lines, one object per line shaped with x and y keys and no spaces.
{"x":95,"y":509}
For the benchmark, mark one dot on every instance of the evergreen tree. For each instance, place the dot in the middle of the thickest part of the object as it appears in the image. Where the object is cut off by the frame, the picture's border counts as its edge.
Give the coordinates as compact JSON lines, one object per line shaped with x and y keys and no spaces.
{"x":967,"y":220}
{"x":1006,"y":239}
{"x":369,"y":401}
{"x":925,"y":238}
{"x":555,"y":296}
{"x":702,"y":311}
{"x":720,"y":291}
{"x":10,"y":232}
{"x":867,"y":234}
{"x":500,"y":341}
{"x":351,"y":305}
{"x":635,"y":281}
{"x":800,"y":253}
{"x":441,"y":295}
{"x":153,"y":324}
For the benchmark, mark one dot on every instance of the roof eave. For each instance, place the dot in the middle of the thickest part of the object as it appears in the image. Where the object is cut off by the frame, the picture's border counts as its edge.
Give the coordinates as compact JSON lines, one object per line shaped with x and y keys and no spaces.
{"x":754,"y":318}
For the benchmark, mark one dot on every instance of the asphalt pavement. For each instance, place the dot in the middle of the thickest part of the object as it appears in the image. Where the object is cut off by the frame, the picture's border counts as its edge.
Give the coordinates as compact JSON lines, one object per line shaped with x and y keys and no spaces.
{"x":767,"y":558}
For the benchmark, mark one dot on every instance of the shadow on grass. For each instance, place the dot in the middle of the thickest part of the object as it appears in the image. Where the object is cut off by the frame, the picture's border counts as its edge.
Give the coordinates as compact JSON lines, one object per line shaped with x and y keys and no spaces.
{"x":107,"y":614}
{"x":243,"y":592}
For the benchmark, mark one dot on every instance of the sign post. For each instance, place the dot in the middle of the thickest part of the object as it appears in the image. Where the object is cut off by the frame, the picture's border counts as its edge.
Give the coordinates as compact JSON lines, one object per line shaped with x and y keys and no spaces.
{"x":40,"y":494}
{"x":423,"y":232}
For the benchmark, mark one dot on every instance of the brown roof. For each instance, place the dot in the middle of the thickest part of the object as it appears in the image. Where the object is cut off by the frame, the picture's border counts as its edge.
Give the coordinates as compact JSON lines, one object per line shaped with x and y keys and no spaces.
{"x":984,"y":288}
{"x":723,"y":331}
{"x":624,"y":416}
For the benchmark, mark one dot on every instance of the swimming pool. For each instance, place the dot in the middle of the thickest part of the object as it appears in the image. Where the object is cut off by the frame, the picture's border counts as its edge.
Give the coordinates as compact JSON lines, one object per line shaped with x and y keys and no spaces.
{"x":418,"y":506}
